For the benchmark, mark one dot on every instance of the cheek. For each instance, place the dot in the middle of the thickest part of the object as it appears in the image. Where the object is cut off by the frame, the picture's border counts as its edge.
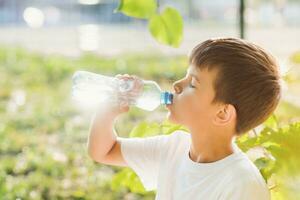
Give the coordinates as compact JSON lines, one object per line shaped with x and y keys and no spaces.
{"x":184,"y":100}
{"x":189,"y":107}
{"x":185,"y":106}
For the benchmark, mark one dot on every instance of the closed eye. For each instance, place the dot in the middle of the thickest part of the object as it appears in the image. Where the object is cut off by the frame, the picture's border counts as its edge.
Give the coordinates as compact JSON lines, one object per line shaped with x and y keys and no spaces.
{"x":191,"y":86}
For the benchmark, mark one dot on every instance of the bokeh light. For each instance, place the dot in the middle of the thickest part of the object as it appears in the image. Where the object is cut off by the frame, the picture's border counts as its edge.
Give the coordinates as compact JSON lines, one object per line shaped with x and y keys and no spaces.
{"x":34,"y":17}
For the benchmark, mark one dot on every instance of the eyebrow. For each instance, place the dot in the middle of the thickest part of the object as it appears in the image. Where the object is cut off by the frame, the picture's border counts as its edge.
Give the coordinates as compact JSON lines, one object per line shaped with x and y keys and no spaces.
{"x":193,"y":75}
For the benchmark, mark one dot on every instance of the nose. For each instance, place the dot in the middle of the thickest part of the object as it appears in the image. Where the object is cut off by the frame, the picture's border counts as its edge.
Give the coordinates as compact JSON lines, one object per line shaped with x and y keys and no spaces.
{"x":177,"y":87}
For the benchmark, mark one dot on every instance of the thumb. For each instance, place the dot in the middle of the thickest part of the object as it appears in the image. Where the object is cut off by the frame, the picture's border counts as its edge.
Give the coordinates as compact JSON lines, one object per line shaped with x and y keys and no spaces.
{"x":123,"y":107}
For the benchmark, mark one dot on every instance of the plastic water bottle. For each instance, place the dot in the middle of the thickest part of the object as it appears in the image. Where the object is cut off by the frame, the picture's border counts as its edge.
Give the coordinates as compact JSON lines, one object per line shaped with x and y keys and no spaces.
{"x":91,"y":89}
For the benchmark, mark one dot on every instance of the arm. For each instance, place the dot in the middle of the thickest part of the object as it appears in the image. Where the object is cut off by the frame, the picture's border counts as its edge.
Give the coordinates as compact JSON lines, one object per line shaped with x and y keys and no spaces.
{"x":103,"y":145}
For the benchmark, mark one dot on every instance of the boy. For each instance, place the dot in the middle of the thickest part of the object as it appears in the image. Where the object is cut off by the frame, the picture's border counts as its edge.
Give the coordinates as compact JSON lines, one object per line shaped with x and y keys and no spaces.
{"x":231,"y":86}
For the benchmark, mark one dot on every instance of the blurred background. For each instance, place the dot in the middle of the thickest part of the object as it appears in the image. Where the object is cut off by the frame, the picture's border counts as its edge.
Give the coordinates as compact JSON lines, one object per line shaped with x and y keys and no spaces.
{"x":42,"y":43}
{"x":69,"y":27}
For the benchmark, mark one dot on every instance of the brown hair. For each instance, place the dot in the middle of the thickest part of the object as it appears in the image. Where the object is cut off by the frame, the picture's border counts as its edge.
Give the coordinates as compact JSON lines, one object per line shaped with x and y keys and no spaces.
{"x":247,"y":78}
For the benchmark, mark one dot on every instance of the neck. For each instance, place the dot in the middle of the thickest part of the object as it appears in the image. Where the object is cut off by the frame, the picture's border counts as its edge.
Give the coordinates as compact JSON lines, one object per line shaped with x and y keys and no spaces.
{"x":209,"y":147}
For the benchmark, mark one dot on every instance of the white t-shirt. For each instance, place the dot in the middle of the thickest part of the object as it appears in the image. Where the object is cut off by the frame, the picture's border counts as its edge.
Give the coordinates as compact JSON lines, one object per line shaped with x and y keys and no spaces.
{"x":163,"y":164}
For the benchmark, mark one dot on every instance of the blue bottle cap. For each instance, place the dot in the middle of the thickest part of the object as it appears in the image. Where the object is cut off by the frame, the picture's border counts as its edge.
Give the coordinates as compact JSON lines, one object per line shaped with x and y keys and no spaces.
{"x":166,"y":98}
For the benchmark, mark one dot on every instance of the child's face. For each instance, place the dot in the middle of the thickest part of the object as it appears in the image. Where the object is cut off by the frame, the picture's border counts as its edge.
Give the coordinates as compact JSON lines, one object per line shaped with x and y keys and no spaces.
{"x":193,"y":95}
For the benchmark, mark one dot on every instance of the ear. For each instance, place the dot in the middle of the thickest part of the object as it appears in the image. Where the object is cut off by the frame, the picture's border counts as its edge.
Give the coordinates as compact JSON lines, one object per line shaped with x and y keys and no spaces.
{"x":224,"y":115}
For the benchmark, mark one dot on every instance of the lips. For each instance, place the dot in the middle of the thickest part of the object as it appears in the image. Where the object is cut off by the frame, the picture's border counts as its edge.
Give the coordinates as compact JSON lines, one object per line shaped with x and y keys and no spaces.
{"x":169,"y":106}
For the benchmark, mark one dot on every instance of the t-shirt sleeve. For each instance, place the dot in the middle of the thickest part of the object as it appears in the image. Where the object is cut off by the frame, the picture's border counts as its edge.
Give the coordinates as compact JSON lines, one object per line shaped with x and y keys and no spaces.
{"x":247,"y":189}
{"x":143,"y":156}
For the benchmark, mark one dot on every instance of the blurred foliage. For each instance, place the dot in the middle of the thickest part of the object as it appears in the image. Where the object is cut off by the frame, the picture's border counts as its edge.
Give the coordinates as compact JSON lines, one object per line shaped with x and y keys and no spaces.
{"x":280,"y":161}
{"x":43,"y":138}
{"x":166,"y":26}
{"x":296,"y":57}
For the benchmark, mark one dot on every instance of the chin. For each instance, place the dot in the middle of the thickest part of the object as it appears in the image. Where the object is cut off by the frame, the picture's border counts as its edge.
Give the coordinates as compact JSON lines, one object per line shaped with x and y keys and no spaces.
{"x":172,"y":119}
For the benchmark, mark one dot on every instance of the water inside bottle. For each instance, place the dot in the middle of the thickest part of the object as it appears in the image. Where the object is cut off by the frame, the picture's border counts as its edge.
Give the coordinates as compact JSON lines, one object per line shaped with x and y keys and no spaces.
{"x":148,"y":104}
{"x":150,"y":98}
{"x":91,"y":95}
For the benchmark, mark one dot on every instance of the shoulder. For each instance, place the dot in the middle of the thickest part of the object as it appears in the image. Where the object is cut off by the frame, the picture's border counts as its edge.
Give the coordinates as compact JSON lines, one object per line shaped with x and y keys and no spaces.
{"x":245,"y":182}
{"x":245,"y":174}
{"x":177,"y":142}
{"x":180,"y":136}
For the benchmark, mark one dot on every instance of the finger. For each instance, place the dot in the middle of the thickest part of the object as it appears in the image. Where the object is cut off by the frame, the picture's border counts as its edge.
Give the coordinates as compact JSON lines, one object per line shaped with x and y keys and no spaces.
{"x":124,"y":109}
{"x":136,"y":78}
{"x":123,"y":103}
{"x":119,"y":76}
{"x":127,"y":76}
{"x":123,"y":77}
{"x":138,"y":83}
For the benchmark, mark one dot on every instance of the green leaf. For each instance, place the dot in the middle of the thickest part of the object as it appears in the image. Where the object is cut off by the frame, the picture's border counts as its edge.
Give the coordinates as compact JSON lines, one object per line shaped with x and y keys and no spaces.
{"x":137,"y":8}
{"x":78,"y":194}
{"x":266,"y":167}
{"x":245,"y":142}
{"x":271,"y":122}
{"x":128,"y":179}
{"x":167,"y":27}
{"x":145,"y":129}
{"x":168,"y":127}
{"x":284,"y":145}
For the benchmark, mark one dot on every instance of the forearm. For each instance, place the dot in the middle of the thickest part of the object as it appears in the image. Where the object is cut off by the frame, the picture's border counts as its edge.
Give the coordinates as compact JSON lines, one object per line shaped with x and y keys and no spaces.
{"x":102,"y":135}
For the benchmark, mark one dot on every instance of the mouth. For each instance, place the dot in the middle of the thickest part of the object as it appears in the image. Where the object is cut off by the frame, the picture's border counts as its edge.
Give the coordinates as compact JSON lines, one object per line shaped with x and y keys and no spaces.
{"x":168,"y":106}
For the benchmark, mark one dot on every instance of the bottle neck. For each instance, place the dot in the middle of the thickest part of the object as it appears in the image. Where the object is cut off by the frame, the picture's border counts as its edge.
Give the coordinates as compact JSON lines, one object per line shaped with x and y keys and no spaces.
{"x":166,"y":98}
